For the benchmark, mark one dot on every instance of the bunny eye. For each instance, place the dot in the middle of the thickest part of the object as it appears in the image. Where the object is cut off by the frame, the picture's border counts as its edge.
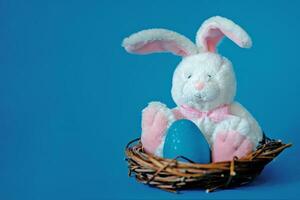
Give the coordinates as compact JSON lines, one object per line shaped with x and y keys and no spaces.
{"x":209,"y":76}
{"x":189,"y":76}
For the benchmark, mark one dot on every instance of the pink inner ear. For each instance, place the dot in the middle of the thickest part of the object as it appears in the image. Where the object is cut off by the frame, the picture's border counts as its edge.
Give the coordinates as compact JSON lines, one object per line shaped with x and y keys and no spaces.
{"x":214,"y":35}
{"x":158,"y":46}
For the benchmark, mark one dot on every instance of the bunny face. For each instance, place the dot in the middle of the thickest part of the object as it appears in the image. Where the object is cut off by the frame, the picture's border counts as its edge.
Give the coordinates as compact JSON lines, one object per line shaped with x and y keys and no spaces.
{"x":204,"y":81}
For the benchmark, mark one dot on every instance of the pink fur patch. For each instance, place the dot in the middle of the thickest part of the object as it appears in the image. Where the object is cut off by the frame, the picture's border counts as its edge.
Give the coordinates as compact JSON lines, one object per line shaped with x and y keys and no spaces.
{"x":157,"y":46}
{"x":214,"y":34}
{"x":227,"y":145}
{"x":154,"y":126}
{"x":212,"y":38}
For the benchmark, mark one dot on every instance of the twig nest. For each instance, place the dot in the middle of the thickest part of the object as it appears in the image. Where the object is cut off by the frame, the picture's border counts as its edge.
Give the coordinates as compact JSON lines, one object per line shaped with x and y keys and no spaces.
{"x":173,"y":175}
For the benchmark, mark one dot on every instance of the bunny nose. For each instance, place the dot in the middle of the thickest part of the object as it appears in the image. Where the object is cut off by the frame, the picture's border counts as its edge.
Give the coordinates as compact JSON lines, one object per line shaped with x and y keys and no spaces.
{"x":199,"y":85}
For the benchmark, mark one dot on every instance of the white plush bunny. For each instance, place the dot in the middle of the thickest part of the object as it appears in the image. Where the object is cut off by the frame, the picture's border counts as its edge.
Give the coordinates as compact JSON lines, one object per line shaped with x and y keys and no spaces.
{"x":204,"y":87}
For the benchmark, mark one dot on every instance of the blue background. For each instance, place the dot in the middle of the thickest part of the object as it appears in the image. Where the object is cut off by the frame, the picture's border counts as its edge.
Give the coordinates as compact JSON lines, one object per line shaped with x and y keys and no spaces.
{"x":71,"y":97}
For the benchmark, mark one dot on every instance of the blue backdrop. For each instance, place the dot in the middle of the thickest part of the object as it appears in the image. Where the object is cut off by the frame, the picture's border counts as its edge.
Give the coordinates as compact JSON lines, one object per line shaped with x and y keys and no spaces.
{"x":71,"y":97}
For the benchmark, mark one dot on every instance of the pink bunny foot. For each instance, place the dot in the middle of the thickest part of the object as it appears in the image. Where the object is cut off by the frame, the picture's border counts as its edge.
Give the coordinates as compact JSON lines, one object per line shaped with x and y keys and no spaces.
{"x":155,"y":121}
{"x":229,"y":144}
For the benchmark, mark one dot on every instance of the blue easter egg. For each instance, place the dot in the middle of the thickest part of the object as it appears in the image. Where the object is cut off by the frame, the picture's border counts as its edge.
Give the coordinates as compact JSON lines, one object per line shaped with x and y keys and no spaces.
{"x":185,"y":138}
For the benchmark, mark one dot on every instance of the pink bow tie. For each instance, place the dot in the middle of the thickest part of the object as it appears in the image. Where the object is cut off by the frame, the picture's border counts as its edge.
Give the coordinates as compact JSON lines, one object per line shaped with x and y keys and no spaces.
{"x":216,"y":115}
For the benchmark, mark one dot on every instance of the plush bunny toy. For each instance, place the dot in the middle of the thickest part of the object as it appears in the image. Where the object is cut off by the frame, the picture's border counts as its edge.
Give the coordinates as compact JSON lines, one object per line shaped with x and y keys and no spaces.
{"x":203,"y":88}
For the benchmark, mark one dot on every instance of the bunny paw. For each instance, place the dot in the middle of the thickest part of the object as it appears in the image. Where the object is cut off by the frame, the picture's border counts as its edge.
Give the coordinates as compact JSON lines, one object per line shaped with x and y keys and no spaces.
{"x":156,"y":118}
{"x":228,"y":145}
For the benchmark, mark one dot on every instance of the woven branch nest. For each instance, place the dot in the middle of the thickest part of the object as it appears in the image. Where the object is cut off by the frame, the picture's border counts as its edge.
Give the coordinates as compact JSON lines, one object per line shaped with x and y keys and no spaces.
{"x":172,"y":175}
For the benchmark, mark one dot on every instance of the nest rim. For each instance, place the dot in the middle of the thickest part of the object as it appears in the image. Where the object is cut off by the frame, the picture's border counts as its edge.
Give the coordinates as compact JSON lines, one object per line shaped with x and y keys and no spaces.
{"x":173,"y":175}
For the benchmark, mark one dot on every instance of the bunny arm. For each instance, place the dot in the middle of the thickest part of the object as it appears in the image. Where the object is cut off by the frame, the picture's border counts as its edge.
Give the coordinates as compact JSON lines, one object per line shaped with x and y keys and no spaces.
{"x":254,"y":132}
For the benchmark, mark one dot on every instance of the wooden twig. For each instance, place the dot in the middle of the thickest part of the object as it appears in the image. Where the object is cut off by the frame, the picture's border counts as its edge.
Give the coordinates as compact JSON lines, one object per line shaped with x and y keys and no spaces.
{"x":173,"y":175}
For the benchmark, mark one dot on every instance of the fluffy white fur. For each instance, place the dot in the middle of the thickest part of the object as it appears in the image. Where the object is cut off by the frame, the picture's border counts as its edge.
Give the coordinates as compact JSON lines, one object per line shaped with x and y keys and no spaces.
{"x":239,"y":36}
{"x":146,"y":36}
{"x":214,"y":70}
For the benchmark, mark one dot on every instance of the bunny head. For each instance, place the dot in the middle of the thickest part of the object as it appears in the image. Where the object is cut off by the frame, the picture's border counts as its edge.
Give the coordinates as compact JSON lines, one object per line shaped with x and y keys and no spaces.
{"x":203,"y":79}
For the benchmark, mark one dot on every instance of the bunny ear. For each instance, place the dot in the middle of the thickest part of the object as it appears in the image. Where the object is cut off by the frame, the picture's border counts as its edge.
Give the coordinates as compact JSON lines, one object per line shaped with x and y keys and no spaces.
{"x":159,"y":40}
{"x":215,"y":28}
